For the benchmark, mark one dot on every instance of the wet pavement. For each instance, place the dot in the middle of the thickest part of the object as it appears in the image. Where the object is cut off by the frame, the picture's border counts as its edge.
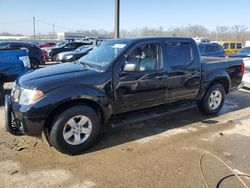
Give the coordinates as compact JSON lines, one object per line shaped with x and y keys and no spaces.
{"x":161,"y":152}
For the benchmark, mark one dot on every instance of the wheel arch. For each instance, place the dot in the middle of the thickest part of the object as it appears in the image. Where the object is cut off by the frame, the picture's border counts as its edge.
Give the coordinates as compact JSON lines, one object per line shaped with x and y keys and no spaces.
{"x":70,"y":103}
{"x":220,"y":77}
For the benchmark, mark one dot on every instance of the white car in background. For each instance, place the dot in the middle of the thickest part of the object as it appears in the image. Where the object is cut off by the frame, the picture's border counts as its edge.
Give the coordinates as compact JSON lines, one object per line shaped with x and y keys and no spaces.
{"x":246,"y":76}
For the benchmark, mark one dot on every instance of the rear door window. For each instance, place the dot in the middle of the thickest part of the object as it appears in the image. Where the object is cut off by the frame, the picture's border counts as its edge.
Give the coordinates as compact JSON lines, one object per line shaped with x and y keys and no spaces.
{"x":179,"y":54}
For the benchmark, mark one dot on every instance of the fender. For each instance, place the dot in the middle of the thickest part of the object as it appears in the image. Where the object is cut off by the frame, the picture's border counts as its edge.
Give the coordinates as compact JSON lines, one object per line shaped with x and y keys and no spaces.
{"x":219,"y":75}
{"x":58,"y":96}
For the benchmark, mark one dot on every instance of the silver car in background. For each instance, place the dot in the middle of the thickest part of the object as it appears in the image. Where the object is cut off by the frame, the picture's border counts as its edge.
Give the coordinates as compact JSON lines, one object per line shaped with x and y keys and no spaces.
{"x":246,"y":76}
{"x":74,"y":55}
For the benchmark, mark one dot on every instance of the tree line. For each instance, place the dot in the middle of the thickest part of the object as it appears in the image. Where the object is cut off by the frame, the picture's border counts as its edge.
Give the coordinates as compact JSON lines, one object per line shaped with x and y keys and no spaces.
{"x":221,"y":33}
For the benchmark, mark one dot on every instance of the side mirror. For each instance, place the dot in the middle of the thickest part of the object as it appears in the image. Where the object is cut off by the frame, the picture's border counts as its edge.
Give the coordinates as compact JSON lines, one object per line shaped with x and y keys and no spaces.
{"x":129,"y":67}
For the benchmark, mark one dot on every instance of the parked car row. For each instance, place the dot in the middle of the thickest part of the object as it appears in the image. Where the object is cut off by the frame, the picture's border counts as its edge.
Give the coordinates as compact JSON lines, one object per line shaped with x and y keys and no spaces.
{"x":35,"y":53}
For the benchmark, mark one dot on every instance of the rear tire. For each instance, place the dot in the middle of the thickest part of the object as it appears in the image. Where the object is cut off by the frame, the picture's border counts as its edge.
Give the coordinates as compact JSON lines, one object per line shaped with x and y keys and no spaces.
{"x":75,"y":129}
{"x":213,"y":100}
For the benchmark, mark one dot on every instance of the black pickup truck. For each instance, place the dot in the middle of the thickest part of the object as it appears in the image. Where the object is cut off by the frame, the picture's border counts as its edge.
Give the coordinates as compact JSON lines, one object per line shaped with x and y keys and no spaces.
{"x":72,"y":102}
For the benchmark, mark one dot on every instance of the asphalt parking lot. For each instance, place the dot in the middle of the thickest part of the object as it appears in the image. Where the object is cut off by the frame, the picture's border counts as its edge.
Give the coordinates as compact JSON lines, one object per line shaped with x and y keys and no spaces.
{"x":161,"y":152}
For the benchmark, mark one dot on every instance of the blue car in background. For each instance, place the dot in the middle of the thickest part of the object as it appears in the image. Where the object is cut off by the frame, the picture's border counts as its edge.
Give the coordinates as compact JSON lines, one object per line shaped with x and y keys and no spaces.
{"x":244,"y":52}
{"x":12,"y":64}
{"x":211,"y":49}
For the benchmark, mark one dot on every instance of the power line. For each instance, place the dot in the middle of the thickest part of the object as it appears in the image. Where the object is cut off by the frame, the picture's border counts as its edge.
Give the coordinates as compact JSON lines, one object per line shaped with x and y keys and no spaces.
{"x":18,"y":21}
{"x":51,"y":24}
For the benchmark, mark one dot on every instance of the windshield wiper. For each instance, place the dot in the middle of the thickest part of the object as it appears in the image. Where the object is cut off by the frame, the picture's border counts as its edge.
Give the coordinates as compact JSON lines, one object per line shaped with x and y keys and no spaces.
{"x":88,"y":66}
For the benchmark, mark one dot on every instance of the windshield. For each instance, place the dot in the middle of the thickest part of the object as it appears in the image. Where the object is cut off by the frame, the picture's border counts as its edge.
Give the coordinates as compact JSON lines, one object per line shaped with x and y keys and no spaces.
{"x":104,"y":54}
{"x":245,"y":50}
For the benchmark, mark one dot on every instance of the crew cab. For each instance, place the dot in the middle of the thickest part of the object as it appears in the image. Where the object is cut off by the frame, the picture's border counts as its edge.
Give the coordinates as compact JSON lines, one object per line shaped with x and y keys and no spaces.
{"x":12,"y":64}
{"x":72,"y":102}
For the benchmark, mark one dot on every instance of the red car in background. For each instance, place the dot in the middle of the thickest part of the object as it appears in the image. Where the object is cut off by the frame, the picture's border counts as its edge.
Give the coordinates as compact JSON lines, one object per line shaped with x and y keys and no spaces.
{"x":45,"y":55}
{"x":47,"y":45}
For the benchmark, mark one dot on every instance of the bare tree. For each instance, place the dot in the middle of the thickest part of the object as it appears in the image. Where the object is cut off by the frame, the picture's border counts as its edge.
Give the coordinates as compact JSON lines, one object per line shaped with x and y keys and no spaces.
{"x":239,"y":31}
{"x":221,"y":32}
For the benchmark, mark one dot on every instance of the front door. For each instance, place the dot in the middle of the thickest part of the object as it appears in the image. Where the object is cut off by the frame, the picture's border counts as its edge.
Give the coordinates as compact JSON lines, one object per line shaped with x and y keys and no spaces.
{"x":145,"y":86}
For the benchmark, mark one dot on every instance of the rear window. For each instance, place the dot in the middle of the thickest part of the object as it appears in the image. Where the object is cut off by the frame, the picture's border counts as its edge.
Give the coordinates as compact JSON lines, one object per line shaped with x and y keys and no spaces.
{"x":232,"y":45}
{"x":238,"y":46}
{"x":209,"y":48}
{"x":225,"y":45}
{"x":218,"y":47}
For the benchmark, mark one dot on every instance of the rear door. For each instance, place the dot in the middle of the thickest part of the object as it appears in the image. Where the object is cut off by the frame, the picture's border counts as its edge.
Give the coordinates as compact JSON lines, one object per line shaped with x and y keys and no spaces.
{"x":183,"y":68}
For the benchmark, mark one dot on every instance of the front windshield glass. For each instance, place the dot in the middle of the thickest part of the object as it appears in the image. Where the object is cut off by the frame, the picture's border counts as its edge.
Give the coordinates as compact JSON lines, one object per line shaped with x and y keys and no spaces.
{"x":104,"y":54}
{"x":245,"y":50}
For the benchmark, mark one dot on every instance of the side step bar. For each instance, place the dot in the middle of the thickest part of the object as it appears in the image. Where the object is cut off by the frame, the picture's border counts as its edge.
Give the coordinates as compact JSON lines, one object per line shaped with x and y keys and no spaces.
{"x":155,"y":112}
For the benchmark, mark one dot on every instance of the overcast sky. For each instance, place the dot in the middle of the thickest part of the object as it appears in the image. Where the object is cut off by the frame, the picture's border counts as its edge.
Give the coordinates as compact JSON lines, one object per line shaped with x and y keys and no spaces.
{"x":70,"y":15}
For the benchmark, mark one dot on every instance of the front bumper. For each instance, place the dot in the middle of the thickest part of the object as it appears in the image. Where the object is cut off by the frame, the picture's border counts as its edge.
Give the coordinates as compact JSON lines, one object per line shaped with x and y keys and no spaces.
{"x":32,"y":126}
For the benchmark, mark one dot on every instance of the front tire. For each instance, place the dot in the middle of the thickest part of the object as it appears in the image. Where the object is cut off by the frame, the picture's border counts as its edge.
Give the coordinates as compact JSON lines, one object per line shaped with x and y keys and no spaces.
{"x":213,"y":100}
{"x":75,"y":129}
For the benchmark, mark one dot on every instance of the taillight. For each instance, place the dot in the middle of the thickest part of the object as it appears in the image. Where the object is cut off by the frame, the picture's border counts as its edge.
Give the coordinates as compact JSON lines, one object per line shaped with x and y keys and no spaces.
{"x":242,"y":68}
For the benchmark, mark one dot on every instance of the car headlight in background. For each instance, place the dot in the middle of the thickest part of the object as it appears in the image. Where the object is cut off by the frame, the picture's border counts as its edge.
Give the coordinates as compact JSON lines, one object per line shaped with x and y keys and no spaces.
{"x":69,"y":57}
{"x":29,"y":96}
{"x":25,"y":60}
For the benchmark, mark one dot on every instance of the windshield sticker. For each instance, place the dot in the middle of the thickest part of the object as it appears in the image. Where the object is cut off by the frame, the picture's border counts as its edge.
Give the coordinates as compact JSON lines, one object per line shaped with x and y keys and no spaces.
{"x":118,"y":46}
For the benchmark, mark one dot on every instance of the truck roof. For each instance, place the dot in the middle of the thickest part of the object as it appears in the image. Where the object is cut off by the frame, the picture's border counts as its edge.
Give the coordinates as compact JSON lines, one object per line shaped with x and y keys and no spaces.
{"x":145,"y":39}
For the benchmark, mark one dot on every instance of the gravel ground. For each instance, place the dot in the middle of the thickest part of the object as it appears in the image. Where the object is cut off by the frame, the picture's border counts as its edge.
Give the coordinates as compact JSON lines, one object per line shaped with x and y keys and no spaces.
{"x":162,"y":152}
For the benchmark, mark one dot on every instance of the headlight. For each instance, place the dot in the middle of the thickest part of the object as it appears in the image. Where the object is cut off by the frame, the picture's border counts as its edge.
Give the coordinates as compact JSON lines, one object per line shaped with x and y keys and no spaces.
{"x":28,"y":96}
{"x":69,"y":57}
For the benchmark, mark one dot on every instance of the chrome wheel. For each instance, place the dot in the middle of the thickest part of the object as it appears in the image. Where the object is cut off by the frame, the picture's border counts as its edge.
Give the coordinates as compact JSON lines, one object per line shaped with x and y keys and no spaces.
{"x":77,"y":130}
{"x":215,"y":99}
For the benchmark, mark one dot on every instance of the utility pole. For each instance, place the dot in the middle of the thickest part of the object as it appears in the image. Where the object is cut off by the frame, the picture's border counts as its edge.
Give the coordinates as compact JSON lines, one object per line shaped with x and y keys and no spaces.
{"x":117,"y":18}
{"x":53,"y":31}
{"x":34,"y":27}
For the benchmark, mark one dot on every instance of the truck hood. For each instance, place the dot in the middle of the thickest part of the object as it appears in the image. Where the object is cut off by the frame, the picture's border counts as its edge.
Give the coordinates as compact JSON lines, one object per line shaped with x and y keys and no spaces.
{"x":52,"y":77}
